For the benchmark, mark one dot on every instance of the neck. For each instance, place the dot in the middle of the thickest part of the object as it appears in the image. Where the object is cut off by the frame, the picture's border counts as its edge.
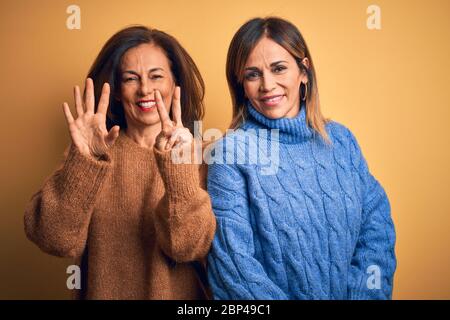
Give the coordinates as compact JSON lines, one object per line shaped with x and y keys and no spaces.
{"x":144,"y":136}
{"x":291,"y":130}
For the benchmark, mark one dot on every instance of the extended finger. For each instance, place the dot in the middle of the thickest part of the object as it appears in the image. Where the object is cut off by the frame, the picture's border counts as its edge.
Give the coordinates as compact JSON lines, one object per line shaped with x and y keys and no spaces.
{"x":162,"y":111}
{"x":78,"y":101}
{"x":176,"y":107}
{"x":67,"y":113}
{"x":104,"y":99}
{"x":89,"y":95}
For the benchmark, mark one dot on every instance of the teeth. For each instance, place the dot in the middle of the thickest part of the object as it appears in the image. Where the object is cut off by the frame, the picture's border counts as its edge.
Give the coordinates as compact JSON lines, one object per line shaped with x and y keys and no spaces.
{"x":146,"y":104}
{"x":273,"y":99}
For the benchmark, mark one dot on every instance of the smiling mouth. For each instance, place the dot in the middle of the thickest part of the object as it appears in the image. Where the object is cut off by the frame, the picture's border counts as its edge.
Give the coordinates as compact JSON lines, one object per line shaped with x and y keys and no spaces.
{"x":272,"y":100}
{"x":146,"y":105}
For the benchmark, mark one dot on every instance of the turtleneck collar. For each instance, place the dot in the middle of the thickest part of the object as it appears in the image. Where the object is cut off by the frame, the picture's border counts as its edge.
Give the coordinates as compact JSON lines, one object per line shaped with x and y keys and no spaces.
{"x":291,"y":130}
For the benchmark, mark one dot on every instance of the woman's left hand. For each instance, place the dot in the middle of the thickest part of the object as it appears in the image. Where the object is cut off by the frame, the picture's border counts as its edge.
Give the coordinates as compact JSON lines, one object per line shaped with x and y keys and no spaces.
{"x":173,"y":134}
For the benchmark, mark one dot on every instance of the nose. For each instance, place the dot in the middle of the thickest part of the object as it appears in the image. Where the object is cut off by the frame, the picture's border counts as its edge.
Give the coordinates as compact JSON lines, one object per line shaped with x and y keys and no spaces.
{"x":267,"y":83}
{"x":145,"y":87}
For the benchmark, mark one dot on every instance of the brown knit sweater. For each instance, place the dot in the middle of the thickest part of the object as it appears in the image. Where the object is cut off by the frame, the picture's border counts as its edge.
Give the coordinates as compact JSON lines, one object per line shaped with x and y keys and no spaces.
{"x":138,"y":225}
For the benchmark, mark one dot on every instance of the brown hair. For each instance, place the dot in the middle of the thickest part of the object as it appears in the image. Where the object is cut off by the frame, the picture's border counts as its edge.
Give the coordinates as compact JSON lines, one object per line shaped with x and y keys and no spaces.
{"x":289,"y":37}
{"x":106,"y":68}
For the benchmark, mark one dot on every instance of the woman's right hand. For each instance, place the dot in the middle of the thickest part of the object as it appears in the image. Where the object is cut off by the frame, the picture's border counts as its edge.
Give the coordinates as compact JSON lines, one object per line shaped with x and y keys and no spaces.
{"x":88,"y":131}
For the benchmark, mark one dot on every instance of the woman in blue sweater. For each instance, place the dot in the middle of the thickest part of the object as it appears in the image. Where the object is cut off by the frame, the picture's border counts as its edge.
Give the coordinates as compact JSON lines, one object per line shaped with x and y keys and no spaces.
{"x":299,"y":215}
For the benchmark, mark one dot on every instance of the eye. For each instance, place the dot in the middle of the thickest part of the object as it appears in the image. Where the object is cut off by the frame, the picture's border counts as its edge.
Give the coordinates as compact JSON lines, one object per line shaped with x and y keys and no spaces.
{"x":252,"y":75}
{"x":130,"y":79}
{"x":156,"y":76}
{"x":279,"y":68}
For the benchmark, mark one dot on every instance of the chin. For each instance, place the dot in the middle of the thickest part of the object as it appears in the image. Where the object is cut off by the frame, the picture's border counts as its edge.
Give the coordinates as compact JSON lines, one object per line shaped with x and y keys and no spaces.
{"x":150,"y":122}
{"x":146,"y":121}
{"x":274,"y":113}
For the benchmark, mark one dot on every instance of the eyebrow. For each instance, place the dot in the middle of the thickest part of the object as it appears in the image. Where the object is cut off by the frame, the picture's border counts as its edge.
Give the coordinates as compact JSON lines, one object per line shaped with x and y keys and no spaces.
{"x":272,"y":64}
{"x":151,"y":70}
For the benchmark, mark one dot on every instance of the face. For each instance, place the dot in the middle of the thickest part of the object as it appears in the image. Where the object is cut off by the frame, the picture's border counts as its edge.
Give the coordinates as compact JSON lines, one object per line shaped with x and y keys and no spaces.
{"x":144,"y":69}
{"x":272,"y":80}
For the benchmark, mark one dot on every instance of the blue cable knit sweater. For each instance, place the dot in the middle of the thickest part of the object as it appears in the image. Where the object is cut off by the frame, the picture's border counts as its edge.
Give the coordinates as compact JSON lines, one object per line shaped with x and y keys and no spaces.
{"x":319,"y":227}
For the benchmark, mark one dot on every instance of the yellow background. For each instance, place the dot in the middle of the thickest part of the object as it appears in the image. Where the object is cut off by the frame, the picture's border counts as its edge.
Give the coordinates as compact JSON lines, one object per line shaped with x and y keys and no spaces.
{"x":389,"y":86}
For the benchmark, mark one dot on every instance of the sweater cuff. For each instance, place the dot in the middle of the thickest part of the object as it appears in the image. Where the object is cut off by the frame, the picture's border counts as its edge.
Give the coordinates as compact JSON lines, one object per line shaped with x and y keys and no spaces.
{"x":81,"y":178}
{"x":181,"y":180}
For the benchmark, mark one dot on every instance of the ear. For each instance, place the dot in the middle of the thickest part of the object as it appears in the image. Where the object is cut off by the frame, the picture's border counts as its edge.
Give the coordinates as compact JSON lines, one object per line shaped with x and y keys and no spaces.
{"x":303,"y":75}
{"x":305,"y":62}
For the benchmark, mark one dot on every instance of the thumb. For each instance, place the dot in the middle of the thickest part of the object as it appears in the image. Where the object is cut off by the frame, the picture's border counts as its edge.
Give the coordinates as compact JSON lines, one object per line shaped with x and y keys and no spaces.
{"x":112,"y":136}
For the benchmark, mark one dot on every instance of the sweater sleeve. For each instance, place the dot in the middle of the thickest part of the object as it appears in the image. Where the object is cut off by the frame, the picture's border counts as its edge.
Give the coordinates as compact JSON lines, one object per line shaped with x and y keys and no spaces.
{"x":233,"y":271}
{"x":374,"y":262}
{"x":57,"y":217}
{"x":184,"y":220}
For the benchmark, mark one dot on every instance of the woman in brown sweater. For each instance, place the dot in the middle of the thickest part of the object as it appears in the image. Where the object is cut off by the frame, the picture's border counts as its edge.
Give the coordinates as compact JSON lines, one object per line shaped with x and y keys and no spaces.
{"x":138,"y":225}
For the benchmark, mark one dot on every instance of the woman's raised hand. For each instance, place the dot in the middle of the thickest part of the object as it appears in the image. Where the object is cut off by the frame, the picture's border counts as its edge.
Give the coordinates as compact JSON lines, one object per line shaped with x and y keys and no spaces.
{"x":173,"y":134}
{"x":88,"y":130}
